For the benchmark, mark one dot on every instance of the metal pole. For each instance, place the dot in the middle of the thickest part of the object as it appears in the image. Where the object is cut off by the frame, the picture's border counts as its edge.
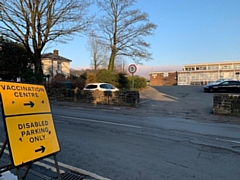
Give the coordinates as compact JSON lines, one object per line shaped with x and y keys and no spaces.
{"x":57,"y":167}
{"x":132,"y":82}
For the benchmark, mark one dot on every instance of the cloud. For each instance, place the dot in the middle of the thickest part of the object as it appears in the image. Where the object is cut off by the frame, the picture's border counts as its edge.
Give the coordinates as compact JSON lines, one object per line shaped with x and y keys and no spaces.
{"x":81,"y":67}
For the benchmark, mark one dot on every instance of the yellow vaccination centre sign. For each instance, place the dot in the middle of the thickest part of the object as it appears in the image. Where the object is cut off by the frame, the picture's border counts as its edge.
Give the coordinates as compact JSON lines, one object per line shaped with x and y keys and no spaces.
{"x":23,"y":98}
{"x":28,"y":122}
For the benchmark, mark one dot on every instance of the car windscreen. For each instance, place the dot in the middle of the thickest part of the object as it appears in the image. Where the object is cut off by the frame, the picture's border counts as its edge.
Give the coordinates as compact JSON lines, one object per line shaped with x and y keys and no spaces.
{"x":218,"y":83}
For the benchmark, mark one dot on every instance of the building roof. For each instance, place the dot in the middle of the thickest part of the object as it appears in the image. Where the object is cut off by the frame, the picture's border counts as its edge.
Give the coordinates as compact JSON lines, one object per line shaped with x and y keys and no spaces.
{"x":55,"y":56}
{"x":158,"y":72}
{"x":212,"y":63}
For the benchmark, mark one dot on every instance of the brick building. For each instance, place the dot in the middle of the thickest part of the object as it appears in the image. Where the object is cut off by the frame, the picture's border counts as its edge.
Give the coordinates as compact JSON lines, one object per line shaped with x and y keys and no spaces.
{"x":163,"y":78}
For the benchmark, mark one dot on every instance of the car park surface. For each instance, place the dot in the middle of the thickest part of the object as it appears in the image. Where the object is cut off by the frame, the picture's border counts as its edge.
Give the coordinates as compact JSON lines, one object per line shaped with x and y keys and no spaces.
{"x":189,"y":102}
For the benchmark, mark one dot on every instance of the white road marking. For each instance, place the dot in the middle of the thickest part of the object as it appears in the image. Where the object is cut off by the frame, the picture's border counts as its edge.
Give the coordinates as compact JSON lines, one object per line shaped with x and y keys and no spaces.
{"x":53,"y":168}
{"x":226,"y":140}
{"x":102,"y":122}
{"x":81,"y":171}
{"x":141,"y":102}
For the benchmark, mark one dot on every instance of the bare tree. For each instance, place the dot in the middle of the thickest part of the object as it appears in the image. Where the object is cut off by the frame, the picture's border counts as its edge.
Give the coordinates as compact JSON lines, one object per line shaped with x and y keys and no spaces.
{"x":34,"y":23}
{"x":120,"y":64}
{"x":97,"y":51}
{"x":123,"y":30}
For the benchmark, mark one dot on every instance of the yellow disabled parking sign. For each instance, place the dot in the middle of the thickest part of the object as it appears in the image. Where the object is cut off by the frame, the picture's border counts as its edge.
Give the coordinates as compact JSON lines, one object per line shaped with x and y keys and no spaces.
{"x":28,"y":122}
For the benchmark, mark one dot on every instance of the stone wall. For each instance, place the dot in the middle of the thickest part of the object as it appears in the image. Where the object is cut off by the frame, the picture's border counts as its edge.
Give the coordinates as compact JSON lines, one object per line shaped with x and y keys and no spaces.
{"x":120,"y":98}
{"x":226,"y":104}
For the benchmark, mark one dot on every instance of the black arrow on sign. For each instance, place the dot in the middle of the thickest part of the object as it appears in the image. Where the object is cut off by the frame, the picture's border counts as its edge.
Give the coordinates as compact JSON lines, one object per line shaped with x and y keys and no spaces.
{"x":42,"y":148}
{"x":31,"y":104}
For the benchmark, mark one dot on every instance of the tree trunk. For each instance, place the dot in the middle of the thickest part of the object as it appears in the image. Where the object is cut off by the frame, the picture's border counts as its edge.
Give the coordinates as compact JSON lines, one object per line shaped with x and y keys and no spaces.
{"x":38,"y":68}
{"x":111,"y":61}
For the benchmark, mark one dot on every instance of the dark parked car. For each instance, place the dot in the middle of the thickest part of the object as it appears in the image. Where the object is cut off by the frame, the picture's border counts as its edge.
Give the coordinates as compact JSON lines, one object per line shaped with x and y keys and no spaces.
{"x":225,"y":86}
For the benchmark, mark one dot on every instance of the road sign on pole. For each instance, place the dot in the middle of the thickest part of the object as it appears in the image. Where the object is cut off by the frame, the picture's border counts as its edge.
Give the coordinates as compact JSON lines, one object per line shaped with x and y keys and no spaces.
{"x":132,"y":69}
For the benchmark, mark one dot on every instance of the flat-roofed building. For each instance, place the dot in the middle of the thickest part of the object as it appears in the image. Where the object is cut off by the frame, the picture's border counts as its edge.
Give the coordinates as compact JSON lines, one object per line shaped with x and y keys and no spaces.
{"x":204,"y":73}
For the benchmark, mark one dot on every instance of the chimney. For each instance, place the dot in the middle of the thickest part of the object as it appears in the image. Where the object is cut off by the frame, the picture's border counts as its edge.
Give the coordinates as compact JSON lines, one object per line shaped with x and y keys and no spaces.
{"x":55,"y":52}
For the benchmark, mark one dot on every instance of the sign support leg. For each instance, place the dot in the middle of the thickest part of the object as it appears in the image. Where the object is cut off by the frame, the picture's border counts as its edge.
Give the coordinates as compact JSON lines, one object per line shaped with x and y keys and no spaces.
{"x":57,"y":167}
{"x":25,"y":173}
{"x":5,"y":167}
{"x":18,"y":174}
{"x":3,"y":147}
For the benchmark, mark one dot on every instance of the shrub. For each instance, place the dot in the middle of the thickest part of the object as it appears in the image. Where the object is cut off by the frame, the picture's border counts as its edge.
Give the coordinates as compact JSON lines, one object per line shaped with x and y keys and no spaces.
{"x":107,"y":76}
{"x":91,"y":77}
{"x":139,"y":82}
{"x":123,"y":81}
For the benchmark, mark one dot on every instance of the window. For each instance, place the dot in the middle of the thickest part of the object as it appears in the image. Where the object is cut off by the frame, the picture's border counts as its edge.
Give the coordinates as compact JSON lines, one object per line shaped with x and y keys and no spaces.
{"x":91,"y":86}
{"x":59,"y":66}
{"x":234,"y":83}
{"x":225,"y":83}
{"x":104,"y":86}
{"x":165,"y":74}
{"x":226,"y":67}
{"x":212,"y":67}
{"x":190,"y":69}
{"x":237,"y":66}
{"x":201,"y":68}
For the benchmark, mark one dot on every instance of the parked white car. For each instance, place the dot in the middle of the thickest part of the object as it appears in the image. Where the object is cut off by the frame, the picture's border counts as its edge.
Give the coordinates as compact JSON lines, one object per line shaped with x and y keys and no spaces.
{"x":100,"y":87}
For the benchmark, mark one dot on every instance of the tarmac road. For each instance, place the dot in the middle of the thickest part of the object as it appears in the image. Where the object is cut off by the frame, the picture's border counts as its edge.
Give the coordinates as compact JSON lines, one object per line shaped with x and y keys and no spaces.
{"x":189,"y":102}
{"x":169,"y":136}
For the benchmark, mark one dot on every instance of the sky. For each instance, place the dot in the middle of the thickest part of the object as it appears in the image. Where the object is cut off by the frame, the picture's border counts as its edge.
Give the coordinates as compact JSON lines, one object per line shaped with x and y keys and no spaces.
{"x":188,"y":32}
